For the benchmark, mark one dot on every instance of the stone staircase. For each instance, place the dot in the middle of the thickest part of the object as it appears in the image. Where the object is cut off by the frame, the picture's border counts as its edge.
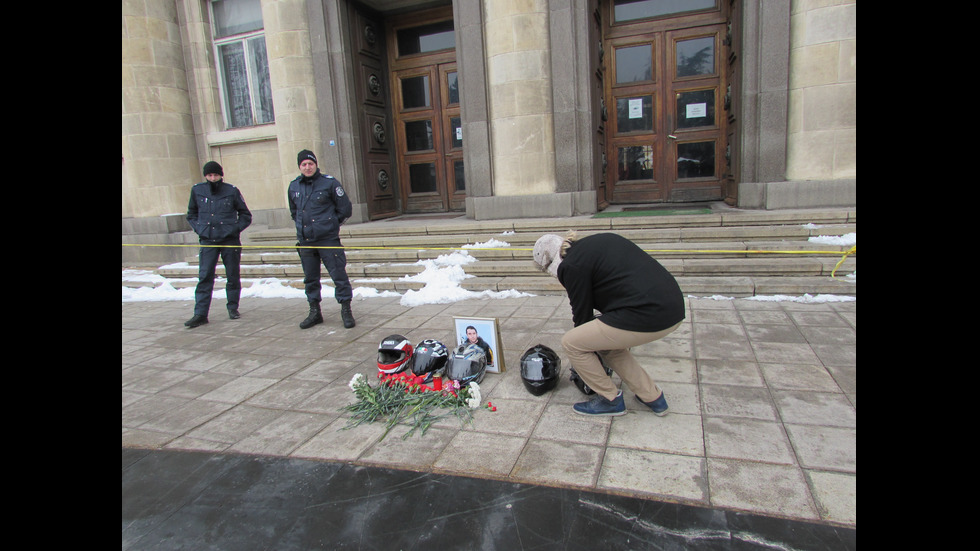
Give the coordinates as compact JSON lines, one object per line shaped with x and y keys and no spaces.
{"x":728,"y":252}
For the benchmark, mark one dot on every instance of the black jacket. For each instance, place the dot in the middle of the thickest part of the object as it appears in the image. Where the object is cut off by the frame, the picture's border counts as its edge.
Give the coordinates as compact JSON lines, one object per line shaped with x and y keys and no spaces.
{"x":611,"y":274}
{"x":217,"y":215}
{"x":318,"y":205}
{"x":487,"y":351}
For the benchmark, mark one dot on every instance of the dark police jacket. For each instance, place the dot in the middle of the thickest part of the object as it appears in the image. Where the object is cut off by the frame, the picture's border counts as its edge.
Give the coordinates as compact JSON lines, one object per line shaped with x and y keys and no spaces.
{"x":319,"y":206}
{"x":611,"y":274}
{"x":219,"y":215}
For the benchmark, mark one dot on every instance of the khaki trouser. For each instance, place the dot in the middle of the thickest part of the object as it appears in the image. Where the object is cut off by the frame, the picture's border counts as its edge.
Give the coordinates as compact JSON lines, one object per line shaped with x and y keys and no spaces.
{"x":581,"y":342}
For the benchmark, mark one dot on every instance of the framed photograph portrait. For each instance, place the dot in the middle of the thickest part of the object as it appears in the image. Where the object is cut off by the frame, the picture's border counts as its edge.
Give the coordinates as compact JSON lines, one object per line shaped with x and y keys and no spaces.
{"x":485,"y":333}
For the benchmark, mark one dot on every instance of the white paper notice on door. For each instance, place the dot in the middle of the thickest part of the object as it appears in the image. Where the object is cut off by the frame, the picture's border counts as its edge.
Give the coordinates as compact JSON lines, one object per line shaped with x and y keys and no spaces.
{"x":636,"y":108}
{"x":697,"y":110}
{"x":459,"y":133}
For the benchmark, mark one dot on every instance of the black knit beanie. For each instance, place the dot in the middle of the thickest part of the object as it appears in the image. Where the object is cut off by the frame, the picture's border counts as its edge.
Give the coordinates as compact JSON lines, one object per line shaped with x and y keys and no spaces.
{"x":212,"y":167}
{"x":304,"y":155}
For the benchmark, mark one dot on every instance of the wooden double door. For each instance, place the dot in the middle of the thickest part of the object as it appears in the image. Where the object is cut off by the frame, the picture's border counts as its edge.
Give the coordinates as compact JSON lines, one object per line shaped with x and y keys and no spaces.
{"x":426,"y":113}
{"x":665,"y":89}
{"x":408,"y":105}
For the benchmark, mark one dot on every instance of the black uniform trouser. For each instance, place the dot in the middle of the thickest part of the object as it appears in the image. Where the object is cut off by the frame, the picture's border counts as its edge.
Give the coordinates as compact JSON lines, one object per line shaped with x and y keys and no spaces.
{"x":231,"y":258}
{"x":336,"y":263}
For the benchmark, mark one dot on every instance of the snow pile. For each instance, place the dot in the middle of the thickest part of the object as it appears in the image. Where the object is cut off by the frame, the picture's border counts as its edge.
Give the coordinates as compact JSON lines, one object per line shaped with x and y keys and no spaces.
{"x":442,"y":277}
{"x":846,"y":240}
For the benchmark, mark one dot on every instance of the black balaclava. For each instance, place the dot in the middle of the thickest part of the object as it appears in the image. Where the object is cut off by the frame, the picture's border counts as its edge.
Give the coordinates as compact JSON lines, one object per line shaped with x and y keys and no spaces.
{"x":212,"y":167}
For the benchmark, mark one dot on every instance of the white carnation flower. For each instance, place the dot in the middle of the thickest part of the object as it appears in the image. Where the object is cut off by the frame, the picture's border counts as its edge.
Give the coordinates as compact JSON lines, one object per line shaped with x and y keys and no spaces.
{"x":475,"y":398}
{"x":356,"y":381}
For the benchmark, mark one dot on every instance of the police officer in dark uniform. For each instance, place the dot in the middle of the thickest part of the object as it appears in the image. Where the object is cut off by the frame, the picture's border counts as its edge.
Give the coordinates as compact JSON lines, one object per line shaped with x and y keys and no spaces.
{"x":218,"y":214}
{"x":319,"y":205}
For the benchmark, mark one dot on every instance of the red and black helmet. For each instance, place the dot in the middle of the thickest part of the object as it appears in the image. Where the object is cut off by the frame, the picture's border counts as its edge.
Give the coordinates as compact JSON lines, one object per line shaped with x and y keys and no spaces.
{"x":394,"y":354}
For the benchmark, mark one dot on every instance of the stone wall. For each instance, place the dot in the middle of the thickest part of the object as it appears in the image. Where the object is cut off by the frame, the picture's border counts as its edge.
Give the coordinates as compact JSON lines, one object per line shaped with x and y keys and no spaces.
{"x":159,"y":154}
{"x":519,"y":88}
{"x":822,"y":143}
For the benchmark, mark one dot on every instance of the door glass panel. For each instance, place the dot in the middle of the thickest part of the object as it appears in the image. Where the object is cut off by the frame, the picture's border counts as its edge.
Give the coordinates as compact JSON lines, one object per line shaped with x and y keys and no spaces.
{"x":634,"y":114}
{"x":696,"y":160}
{"x":418,"y":135}
{"x":427,"y":38}
{"x":415,"y":92}
{"x":696,"y":56}
{"x":456,"y":129}
{"x":422,"y":177}
{"x":458,"y":176}
{"x":636,"y":162}
{"x":634,"y":64}
{"x":695,"y":108}
{"x":453,"y":85}
{"x":628,"y":10}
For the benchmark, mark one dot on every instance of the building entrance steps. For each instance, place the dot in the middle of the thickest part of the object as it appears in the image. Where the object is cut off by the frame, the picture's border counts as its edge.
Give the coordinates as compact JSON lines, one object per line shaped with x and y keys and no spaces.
{"x":730,"y":252}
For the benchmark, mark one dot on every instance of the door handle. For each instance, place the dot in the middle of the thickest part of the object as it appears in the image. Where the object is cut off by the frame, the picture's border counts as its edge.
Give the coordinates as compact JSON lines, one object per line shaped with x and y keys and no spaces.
{"x":671,"y":136}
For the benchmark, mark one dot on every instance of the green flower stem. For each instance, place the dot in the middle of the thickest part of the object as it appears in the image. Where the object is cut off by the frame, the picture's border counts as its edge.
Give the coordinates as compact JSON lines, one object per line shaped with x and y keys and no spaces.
{"x":395,"y":403}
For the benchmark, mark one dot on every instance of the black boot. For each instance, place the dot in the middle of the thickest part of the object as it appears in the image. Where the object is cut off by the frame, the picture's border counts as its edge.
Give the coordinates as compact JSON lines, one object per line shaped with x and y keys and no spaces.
{"x":196,"y":321}
{"x":346,"y":315}
{"x":314,"y":318}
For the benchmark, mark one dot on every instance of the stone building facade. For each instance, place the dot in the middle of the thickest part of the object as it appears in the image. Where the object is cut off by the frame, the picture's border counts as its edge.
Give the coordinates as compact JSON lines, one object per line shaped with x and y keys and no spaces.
{"x":526,"y":108}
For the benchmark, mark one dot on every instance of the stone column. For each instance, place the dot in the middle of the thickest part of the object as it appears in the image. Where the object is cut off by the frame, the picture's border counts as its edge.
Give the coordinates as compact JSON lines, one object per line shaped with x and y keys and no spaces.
{"x":823,"y":92}
{"x":159,"y":155}
{"x":520,"y":97}
{"x":287,"y":40}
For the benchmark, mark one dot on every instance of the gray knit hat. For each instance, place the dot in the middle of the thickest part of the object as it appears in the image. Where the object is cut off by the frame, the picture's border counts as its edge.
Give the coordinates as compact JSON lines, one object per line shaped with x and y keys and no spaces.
{"x":547,"y":251}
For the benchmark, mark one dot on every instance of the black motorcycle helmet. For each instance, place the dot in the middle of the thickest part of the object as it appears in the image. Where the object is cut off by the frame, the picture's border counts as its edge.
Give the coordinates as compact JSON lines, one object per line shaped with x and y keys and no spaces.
{"x":580,"y":384}
{"x":429,"y":358}
{"x":540,"y":369}
{"x":467,"y":364}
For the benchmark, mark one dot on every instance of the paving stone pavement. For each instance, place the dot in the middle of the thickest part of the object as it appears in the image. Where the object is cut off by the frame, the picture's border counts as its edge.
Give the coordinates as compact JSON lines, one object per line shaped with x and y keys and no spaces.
{"x":762,"y":395}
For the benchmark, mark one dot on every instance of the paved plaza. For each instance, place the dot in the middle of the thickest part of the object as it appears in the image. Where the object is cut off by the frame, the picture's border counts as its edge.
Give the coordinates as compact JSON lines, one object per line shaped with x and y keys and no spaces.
{"x":762,"y":400}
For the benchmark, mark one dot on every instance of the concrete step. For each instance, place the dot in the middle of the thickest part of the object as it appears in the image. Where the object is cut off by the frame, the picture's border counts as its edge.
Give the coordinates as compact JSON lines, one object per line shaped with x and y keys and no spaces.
{"x":279,"y":239}
{"x":794,"y":266}
{"x":724,"y":217}
{"x":511,"y":251}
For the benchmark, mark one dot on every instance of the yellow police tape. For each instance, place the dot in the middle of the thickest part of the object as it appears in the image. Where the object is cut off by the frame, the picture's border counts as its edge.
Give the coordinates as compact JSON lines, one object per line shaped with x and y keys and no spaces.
{"x":853,"y":250}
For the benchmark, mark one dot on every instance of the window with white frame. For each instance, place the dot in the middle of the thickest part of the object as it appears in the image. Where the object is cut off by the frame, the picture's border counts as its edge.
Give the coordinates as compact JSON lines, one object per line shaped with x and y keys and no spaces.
{"x":243,"y":66}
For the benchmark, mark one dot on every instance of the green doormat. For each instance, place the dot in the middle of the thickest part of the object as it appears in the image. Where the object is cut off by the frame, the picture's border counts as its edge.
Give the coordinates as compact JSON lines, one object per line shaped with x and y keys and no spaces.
{"x":655,"y":212}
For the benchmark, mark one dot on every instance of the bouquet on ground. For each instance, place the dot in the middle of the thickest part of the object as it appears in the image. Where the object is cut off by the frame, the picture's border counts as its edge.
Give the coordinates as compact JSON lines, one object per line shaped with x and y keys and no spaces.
{"x":404,"y":398}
